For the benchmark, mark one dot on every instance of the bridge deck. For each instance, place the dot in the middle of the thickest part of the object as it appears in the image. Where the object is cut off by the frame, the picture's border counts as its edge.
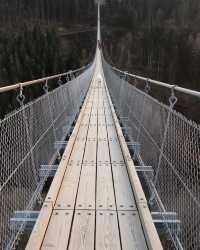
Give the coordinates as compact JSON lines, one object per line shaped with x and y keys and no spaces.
{"x":91,"y":203}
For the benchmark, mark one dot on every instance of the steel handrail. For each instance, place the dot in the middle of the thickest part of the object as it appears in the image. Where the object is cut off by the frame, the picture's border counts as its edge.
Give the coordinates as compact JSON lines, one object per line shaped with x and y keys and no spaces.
{"x":166,"y":85}
{"x":41,"y":80}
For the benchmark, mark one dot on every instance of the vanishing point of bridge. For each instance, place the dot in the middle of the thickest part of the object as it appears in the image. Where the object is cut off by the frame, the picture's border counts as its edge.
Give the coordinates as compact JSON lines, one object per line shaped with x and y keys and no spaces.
{"x":88,"y":134}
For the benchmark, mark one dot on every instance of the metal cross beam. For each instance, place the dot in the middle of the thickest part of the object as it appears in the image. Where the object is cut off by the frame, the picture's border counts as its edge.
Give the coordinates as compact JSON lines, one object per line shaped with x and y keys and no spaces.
{"x":161,"y":219}
{"x":24,"y":217}
{"x":48,"y":170}
{"x":60,"y":144}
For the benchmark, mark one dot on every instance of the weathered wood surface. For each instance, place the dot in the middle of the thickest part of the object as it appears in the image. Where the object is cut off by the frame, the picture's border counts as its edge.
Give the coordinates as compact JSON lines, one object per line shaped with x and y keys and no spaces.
{"x":57,"y":234}
{"x":83,"y":230}
{"x":107,"y":231}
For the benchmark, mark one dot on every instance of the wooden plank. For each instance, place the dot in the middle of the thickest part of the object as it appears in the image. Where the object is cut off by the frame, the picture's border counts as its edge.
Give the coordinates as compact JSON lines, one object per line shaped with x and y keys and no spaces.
{"x":39,"y":229}
{"x":86,"y":191}
{"x":132,"y":235}
{"x":105,"y":198}
{"x":103,"y":156}
{"x":123,"y":191}
{"x":70,"y":181}
{"x":103,"y":147}
{"x":79,"y":146}
{"x":135,"y":182}
{"x":87,"y":184}
{"x":67,"y":194}
{"x":151,"y":235}
{"x":58,"y":231}
{"x":83,"y":231}
{"x":107,"y":231}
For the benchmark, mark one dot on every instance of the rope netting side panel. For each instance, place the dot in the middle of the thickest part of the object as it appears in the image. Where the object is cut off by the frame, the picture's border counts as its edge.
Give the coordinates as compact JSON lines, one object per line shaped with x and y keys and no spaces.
{"x":27,"y":141}
{"x":170,"y":143}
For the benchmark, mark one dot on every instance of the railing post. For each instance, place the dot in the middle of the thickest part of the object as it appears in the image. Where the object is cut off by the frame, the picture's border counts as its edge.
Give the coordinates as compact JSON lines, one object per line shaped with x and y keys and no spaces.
{"x":130,"y":106}
{"x":146,"y":90}
{"x":46,"y":90}
{"x":60,"y":82}
{"x":70,"y":93}
{"x":77,"y":93}
{"x":172,"y":101}
{"x":121,"y":91}
{"x":21,"y":99}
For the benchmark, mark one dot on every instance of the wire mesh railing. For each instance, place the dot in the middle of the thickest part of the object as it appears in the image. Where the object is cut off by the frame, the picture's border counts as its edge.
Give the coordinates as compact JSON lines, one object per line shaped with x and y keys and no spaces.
{"x":27,"y":141}
{"x":170,"y":143}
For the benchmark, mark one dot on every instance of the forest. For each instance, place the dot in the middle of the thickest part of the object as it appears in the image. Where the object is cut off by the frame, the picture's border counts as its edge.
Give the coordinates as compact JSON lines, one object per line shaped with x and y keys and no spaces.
{"x":34,"y":40}
{"x":159,"y":39}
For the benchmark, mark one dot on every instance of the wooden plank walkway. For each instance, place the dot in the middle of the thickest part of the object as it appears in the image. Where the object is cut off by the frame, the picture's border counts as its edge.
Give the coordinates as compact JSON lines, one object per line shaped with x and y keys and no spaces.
{"x":95,"y":200}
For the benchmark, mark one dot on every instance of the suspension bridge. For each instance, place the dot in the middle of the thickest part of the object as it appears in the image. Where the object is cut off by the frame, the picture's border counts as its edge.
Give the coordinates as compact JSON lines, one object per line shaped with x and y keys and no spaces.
{"x":124,"y":167}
